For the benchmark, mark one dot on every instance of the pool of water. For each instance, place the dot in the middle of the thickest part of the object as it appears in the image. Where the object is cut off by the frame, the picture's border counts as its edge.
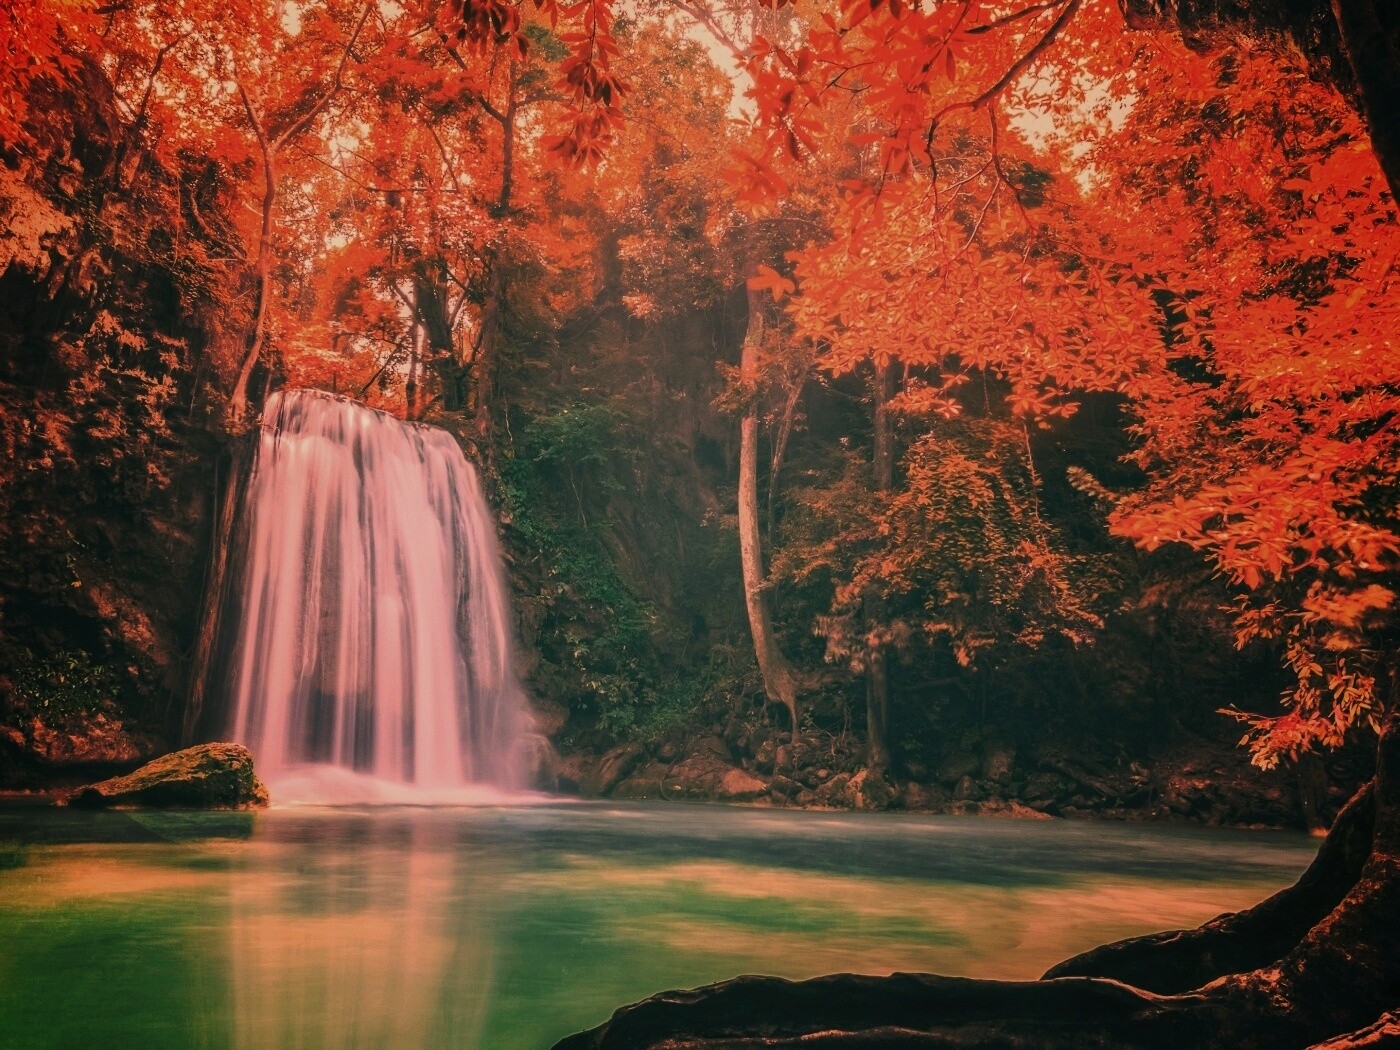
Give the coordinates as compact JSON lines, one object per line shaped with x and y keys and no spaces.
{"x":510,"y":927}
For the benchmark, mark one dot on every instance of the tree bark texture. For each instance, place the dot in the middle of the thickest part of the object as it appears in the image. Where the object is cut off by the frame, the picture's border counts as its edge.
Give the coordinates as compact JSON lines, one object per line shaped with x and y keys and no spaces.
{"x":485,"y":361}
{"x":262,"y":268}
{"x":779,"y":682}
{"x":1236,"y":942}
{"x":434,"y":315}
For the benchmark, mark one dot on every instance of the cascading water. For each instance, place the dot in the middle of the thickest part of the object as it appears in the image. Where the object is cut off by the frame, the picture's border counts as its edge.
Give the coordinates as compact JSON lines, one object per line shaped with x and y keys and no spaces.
{"x":373,"y":630}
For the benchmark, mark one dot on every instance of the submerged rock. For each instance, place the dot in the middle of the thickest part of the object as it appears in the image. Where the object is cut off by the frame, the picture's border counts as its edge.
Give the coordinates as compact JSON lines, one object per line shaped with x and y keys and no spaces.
{"x":1001,"y":807}
{"x":700,"y":776}
{"x":209,"y":776}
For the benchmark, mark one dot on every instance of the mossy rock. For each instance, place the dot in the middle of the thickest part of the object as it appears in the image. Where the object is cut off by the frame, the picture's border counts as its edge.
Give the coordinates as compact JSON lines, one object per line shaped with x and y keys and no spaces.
{"x":209,"y":776}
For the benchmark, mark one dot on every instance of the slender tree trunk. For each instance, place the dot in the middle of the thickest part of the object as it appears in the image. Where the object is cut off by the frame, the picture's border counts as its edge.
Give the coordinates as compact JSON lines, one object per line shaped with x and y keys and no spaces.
{"x":410,"y":386}
{"x":269,"y":145}
{"x":238,"y":401}
{"x":430,"y":306}
{"x":508,"y":148}
{"x":415,"y":354}
{"x":488,"y":350}
{"x":877,"y":677}
{"x":131,"y":139}
{"x":779,"y":682}
{"x":484,"y":364}
{"x":780,"y":444}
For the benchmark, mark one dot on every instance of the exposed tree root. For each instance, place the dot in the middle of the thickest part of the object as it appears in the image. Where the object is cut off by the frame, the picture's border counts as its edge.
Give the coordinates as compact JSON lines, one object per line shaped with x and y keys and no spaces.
{"x":1321,"y":962}
{"x":901,"y":1010}
{"x":1385,"y":1032}
{"x":1180,"y":960}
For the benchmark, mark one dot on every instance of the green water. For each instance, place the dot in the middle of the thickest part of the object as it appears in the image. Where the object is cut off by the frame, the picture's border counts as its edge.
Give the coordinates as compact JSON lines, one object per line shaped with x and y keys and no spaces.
{"x":511,"y":927}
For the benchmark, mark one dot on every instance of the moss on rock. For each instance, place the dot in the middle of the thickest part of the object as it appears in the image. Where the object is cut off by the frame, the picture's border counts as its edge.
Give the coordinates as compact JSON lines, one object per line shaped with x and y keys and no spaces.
{"x":208,"y":776}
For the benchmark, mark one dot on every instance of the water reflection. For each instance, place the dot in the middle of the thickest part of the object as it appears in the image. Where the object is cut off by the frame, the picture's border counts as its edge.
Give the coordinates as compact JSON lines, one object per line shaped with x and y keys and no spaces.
{"x":510,"y":928}
{"x":371,"y":934}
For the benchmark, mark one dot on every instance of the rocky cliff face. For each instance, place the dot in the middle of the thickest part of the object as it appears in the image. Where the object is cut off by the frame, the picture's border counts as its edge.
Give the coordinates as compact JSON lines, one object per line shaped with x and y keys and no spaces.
{"x":114,"y":278}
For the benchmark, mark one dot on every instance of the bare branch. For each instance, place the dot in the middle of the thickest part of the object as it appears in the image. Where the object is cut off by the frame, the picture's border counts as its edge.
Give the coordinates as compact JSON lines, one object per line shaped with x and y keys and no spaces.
{"x":722,"y":37}
{"x":1016,"y":68}
{"x":300,"y":124}
{"x":358,"y":183}
{"x":446,"y":157}
{"x":1015,"y":16}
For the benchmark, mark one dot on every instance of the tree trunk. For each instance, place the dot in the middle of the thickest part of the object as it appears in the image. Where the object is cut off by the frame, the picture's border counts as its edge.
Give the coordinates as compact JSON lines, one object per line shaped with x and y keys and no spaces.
{"x":488,"y":349}
{"x":1372,"y":47}
{"x":415,"y":354}
{"x":780,"y":444}
{"x":779,"y":683}
{"x":238,"y":401}
{"x":508,"y":147}
{"x":269,"y":145}
{"x":430,"y":305}
{"x":877,"y":678}
{"x":1236,"y":942}
{"x":1352,"y":44}
{"x":1338,"y":983}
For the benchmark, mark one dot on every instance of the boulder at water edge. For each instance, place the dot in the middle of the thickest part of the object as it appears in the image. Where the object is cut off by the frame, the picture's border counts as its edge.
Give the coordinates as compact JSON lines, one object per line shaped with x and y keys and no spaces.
{"x":209,"y":776}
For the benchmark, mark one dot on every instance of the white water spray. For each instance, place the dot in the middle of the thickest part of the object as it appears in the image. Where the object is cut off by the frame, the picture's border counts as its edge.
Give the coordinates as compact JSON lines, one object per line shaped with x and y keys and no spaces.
{"x":374,"y":630}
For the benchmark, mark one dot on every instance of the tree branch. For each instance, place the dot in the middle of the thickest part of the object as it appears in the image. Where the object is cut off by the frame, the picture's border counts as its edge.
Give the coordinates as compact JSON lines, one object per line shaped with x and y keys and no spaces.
{"x":1015,"y":16}
{"x":697,"y":12}
{"x":299,"y":125}
{"x":1016,"y":68}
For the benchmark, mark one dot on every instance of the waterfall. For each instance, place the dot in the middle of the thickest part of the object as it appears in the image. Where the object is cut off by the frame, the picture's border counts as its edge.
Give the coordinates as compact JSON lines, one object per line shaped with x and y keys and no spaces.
{"x":373,"y":637}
